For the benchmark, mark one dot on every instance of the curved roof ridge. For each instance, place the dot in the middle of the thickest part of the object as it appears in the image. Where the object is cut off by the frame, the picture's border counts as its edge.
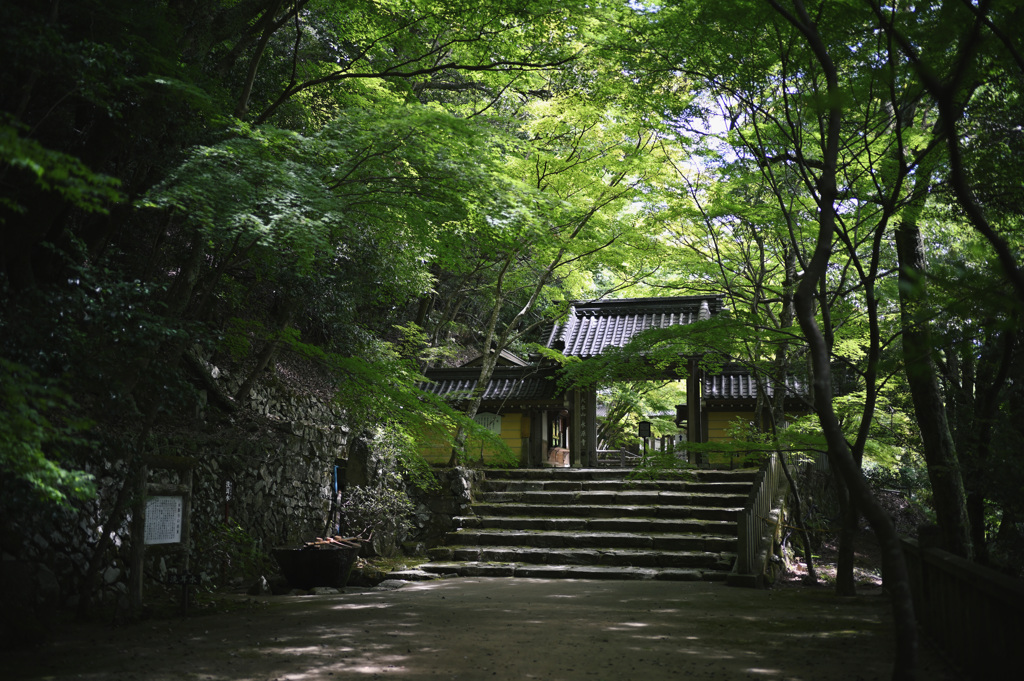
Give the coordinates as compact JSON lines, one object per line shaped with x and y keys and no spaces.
{"x":592,"y":326}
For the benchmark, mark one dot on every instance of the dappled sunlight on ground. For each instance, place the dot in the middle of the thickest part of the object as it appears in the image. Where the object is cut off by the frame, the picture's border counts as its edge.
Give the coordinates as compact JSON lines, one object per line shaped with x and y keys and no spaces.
{"x":474,"y":629}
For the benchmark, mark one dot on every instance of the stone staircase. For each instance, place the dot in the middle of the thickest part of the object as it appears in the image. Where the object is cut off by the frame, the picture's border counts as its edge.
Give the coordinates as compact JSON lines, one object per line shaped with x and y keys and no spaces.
{"x":596,"y":524}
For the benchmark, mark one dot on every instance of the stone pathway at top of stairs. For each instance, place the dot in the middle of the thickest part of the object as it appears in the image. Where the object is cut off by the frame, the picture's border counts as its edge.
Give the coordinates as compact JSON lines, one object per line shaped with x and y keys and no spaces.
{"x":595,"y":524}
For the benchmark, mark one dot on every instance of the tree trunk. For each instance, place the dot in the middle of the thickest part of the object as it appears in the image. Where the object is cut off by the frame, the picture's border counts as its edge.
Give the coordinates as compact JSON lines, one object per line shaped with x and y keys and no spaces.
{"x":841,"y":458}
{"x":285,"y":312}
{"x":849,"y":515}
{"x":976,"y":513}
{"x":839,"y":453}
{"x":267,"y":27}
{"x":777,"y":403}
{"x":490,"y":360}
{"x":949,"y":498}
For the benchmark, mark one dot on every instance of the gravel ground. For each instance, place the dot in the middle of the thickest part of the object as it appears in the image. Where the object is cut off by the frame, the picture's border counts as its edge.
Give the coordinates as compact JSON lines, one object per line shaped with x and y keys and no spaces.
{"x":473,"y":629}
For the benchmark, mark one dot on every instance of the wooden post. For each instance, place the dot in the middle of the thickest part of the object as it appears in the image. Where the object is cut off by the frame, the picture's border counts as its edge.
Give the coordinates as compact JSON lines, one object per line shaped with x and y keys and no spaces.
{"x":186,"y":522}
{"x":576,"y":429}
{"x":591,"y":427}
{"x":138,"y":532}
{"x":694,"y":418}
{"x":538,"y":428}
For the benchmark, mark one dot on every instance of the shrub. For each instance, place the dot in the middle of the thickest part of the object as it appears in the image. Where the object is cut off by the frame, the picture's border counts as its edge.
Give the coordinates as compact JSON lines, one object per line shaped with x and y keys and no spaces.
{"x":380,"y":511}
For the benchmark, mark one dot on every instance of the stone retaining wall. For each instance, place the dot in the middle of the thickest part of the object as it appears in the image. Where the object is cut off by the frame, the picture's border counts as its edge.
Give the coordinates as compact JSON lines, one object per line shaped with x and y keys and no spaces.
{"x":435,"y":512}
{"x":266,"y":469}
{"x":262,"y":478}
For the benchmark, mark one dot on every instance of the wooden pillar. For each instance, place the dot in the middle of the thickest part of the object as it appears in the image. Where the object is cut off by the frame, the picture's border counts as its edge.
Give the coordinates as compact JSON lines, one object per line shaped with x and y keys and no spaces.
{"x":695,"y":431}
{"x":576,"y":429}
{"x":138,"y":534}
{"x":538,"y":447}
{"x":186,"y":537}
{"x":591,"y":427}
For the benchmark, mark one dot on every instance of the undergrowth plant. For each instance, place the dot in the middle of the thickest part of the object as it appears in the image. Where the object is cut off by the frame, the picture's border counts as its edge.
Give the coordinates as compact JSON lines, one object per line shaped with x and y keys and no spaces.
{"x":234,"y":553}
{"x":379,"y":512}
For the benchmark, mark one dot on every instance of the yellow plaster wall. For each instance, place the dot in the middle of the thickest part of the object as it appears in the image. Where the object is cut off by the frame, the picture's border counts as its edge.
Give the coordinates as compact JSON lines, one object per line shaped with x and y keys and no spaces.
{"x":436,"y":450}
{"x":719,"y":423}
{"x":718,"y":426}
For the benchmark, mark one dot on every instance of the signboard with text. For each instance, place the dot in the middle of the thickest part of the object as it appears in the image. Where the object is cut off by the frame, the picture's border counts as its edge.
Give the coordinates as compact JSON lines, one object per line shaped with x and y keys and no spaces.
{"x":491,"y":422}
{"x":163,"y":520}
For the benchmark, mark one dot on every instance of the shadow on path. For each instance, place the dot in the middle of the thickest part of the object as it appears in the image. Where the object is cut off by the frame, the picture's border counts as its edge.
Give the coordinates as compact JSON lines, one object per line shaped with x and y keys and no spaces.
{"x":476,"y":629}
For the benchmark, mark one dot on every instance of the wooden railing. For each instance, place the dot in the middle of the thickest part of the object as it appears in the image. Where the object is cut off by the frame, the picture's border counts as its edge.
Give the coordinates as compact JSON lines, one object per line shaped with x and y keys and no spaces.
{"x":754,"y":524}
{"x":617,"y":458}
{"x":975,"y":615}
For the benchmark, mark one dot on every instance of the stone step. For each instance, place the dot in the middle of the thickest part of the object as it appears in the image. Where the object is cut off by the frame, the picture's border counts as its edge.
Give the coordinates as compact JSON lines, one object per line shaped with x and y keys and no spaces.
{"x":747,"y":475}
{"x":726,"y":514}
{"x":597,"y":524}
{"x":620,"y":498}
{"x":558,"y":474}
{"x":677,"y":525}
{"x":628,"y":497}
{"x":611,"y":557}
{"x":593,"y":540}
{"x":739,"y":488}
{"x":412,"y":575}
{"x":703,"y":475}
{"x":528,"y":570}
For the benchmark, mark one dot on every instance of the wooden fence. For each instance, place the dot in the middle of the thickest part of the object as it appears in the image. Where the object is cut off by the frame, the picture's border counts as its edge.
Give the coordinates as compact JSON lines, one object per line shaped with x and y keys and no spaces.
{"x":617,"y":458}
{"x":975,"y":615}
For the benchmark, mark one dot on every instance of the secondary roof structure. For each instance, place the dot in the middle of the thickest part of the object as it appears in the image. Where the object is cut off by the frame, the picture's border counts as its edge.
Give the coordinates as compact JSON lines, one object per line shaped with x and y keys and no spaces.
{"x":736,"y":386}
{"x":510,"y":386}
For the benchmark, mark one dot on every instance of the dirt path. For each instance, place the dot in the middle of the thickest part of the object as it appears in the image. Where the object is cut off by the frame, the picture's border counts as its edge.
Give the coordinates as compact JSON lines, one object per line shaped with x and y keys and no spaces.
{"x":475,"y":629}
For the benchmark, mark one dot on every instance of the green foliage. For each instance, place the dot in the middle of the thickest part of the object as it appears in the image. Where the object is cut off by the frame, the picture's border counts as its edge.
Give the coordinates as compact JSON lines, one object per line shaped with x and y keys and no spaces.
{"x":37,"y":433}
{"x":52,"y":171}
{"x":660,"y":465}
{"x":408,"y":464}
{"x":480,"y":439}
{"x":629,"y":402}
{"x":235,"y":553}
{"x":339,"y":224}
{"x":83,"y":330}
{"x":381,"y":510}
{"x":907,"y":474}
{"x":380,"y":513}
{"x":385,"y":185}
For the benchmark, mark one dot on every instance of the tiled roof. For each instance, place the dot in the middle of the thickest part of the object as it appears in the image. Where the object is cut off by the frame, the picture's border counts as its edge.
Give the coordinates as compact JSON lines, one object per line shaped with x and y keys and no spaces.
{"x":737,"y":383}
{"x":505,"y":358}
{"x":591,"y":327}
{"x":509,"y":385}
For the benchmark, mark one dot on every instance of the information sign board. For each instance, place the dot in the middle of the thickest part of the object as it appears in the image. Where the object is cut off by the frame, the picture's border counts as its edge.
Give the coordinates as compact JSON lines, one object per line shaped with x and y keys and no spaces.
{"x":491,"y":422}
{"x":163,"y":520}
